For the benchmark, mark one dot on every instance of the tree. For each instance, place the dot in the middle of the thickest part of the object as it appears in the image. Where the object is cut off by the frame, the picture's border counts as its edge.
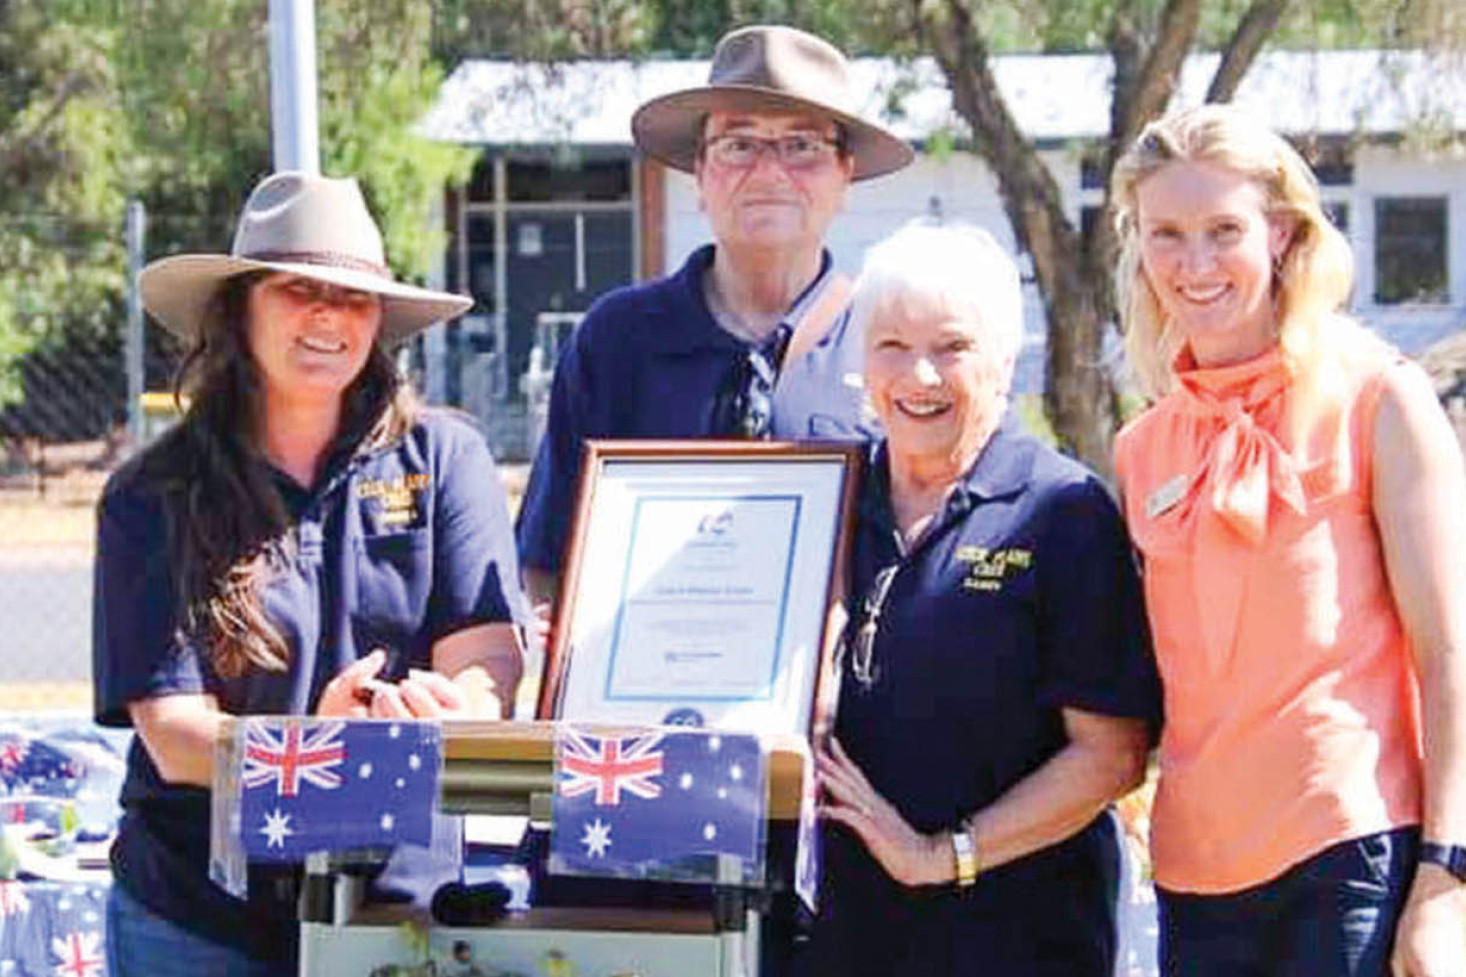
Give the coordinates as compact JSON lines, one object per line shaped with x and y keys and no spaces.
{"x":62,"y":149}
{"x":197,"y":77}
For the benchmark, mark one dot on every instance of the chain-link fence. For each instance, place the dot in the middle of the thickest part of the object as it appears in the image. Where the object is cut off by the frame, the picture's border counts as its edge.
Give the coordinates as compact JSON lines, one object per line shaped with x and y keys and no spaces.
{"x":63,"y":427}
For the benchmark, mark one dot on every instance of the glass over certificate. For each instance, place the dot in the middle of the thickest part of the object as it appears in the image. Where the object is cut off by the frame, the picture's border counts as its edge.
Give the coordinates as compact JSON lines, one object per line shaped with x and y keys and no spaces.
{"x":700,"y":584}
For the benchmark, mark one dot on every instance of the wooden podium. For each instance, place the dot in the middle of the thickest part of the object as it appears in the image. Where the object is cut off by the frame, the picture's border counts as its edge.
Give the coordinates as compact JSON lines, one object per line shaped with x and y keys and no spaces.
{"x":743,"y":545}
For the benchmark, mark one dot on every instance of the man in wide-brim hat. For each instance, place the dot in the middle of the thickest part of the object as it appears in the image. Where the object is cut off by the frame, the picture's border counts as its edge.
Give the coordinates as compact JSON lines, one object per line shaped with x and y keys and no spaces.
{"x":750,"y":338}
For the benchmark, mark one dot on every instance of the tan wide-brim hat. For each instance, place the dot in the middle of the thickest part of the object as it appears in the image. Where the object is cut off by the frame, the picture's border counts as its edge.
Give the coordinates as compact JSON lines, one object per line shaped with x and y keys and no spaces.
{"x":315,"y":226}
{"x":767,"y":69}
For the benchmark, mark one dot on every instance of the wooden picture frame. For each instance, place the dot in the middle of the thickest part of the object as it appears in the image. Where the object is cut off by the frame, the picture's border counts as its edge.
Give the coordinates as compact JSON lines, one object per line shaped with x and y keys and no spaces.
{"x":704,"y":585}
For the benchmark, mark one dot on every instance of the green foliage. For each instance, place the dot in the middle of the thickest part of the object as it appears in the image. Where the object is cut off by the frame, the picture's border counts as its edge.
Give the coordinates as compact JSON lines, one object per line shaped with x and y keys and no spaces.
{"x":196,"y":89}
{"x":168,"y":101}
{"x":62,"y":148}
{"x":540,"y":30}
{"x":560,"y":29}
{"x":377,"y":79}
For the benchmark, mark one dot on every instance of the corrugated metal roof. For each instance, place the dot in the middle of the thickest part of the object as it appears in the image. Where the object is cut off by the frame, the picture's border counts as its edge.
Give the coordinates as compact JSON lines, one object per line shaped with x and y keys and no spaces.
{"x":1053,"y":97}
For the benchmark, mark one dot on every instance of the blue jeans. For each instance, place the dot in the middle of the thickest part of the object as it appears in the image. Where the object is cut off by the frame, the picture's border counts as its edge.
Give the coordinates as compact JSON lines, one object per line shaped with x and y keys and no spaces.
{"x":140,"y":943}
{"x":1333,"y":915}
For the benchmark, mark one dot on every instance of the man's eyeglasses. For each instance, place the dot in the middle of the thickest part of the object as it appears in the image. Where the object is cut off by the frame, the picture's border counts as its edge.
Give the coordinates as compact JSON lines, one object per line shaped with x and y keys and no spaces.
{"x":794,"y":152}
{"x":861,"y":665}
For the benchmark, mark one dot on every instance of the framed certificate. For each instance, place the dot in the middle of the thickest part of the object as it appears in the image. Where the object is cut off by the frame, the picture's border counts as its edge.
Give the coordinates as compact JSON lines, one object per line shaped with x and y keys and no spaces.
{"x":704,"y":585}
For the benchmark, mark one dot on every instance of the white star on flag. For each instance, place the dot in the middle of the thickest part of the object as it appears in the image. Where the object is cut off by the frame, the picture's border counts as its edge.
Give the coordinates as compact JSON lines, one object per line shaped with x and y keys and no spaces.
{"x":277,"y":829}
{"x":597,"y":839}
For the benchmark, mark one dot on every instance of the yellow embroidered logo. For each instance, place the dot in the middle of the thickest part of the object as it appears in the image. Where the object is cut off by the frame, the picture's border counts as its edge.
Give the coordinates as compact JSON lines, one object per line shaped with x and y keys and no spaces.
{"x":989,"y":569}
{"x":396,"y":496}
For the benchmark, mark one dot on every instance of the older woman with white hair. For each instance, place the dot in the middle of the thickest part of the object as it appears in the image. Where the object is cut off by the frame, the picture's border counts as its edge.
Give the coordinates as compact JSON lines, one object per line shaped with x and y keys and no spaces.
{"x":997,"y":685}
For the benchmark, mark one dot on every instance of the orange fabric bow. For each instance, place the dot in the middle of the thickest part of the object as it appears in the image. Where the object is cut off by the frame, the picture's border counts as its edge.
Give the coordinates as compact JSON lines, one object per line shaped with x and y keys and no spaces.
{"x":1244,"y":466}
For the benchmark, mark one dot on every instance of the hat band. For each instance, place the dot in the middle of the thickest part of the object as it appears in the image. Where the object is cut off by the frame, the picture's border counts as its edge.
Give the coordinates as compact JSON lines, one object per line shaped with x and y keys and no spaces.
{"x":334,"y":259}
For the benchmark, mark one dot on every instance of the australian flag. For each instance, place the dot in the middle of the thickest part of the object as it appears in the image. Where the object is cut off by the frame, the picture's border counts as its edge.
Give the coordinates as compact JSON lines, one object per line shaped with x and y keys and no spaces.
{"x":31,"y":765}
{"x":52,"y":929}
{"x":309,"y":785}
{"x":660,"y":804}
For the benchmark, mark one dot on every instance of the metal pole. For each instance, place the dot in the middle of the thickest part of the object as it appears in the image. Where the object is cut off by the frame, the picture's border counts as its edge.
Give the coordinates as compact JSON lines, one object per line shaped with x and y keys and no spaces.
{"x":136,"y":234}
{"x":501,"y":270}
{"x":293,"y":85}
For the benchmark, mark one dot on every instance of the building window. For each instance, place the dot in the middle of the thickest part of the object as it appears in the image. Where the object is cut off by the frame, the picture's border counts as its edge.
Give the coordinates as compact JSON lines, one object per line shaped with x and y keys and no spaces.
{"x":1410,"y":250}
{"x":537,"y":179}
{"x":1334,"y":172}
{"x":1091,"y":171}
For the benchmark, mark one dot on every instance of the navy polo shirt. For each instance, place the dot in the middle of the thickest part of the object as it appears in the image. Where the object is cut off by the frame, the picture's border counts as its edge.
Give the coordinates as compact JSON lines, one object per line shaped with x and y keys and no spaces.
{"x":649,"y":361}
{"x":1021,"y":599}
{"x":393,"y":548}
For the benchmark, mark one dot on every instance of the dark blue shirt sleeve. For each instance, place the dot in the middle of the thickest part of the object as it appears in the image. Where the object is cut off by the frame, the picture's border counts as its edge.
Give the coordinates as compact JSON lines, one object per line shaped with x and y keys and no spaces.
{"x":549,"y":499}
{"x":1094,"y":640}
{"x":136,"y":651}
{"x":475,"y":573}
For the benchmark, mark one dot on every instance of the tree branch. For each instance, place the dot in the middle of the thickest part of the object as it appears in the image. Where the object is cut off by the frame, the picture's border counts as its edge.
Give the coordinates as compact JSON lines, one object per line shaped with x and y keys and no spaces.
{"x":1030,"y":196}
{"x":1255,"y":26}
{"x":1127,"y":51}
{"x":1078,"y":394}
{"x":1153,"y":83}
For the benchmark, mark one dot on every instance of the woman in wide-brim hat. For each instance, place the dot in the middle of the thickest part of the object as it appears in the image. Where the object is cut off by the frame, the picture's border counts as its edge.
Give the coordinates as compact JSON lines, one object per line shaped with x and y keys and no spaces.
{"x":307,"y":540}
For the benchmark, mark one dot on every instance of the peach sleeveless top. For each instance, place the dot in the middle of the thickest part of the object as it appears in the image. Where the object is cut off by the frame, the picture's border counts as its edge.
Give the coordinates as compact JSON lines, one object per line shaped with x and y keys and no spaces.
{"x":1292,"y":718}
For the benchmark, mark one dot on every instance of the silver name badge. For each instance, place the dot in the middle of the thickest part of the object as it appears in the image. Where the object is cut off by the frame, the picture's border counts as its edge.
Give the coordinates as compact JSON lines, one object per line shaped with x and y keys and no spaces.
{"x":1166,"y":497}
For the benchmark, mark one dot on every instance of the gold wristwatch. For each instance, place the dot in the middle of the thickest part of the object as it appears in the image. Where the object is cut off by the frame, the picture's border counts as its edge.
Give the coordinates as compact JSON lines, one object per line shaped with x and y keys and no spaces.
{"x":964,"y":854}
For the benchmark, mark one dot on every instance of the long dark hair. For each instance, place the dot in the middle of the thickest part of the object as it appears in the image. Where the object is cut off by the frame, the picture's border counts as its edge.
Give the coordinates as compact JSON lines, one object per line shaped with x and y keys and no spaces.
{"x":228,"y":527}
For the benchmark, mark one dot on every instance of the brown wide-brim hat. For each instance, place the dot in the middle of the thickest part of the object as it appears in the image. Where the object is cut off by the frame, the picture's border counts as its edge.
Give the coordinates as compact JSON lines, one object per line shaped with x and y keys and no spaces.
{"x":309,"y":225}
{"x":768,"y":69}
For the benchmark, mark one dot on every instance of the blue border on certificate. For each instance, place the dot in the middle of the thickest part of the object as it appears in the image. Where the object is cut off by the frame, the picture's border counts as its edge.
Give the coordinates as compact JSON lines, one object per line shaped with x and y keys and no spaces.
{"x":767,"y":692}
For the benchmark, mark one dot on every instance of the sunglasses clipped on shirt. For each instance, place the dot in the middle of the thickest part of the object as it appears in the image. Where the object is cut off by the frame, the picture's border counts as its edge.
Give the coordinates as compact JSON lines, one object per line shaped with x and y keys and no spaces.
{"x":749,"y":410}
{"x":862,"y":650}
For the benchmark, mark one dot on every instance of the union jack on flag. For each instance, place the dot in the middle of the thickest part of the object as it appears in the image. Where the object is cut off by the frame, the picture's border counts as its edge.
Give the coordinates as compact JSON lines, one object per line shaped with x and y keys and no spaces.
{"x":292,"y":754}
{"x":609,"y":767}
{"x":377,"y":783}
{"x":81,"y":955}
{"x":13,"y":900}
{"x":666,"y":804}
{"x":12,"y":755}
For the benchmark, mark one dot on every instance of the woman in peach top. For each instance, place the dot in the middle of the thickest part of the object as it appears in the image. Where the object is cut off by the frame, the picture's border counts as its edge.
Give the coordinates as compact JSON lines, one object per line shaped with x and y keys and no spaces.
{"x":1299,"y":502}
